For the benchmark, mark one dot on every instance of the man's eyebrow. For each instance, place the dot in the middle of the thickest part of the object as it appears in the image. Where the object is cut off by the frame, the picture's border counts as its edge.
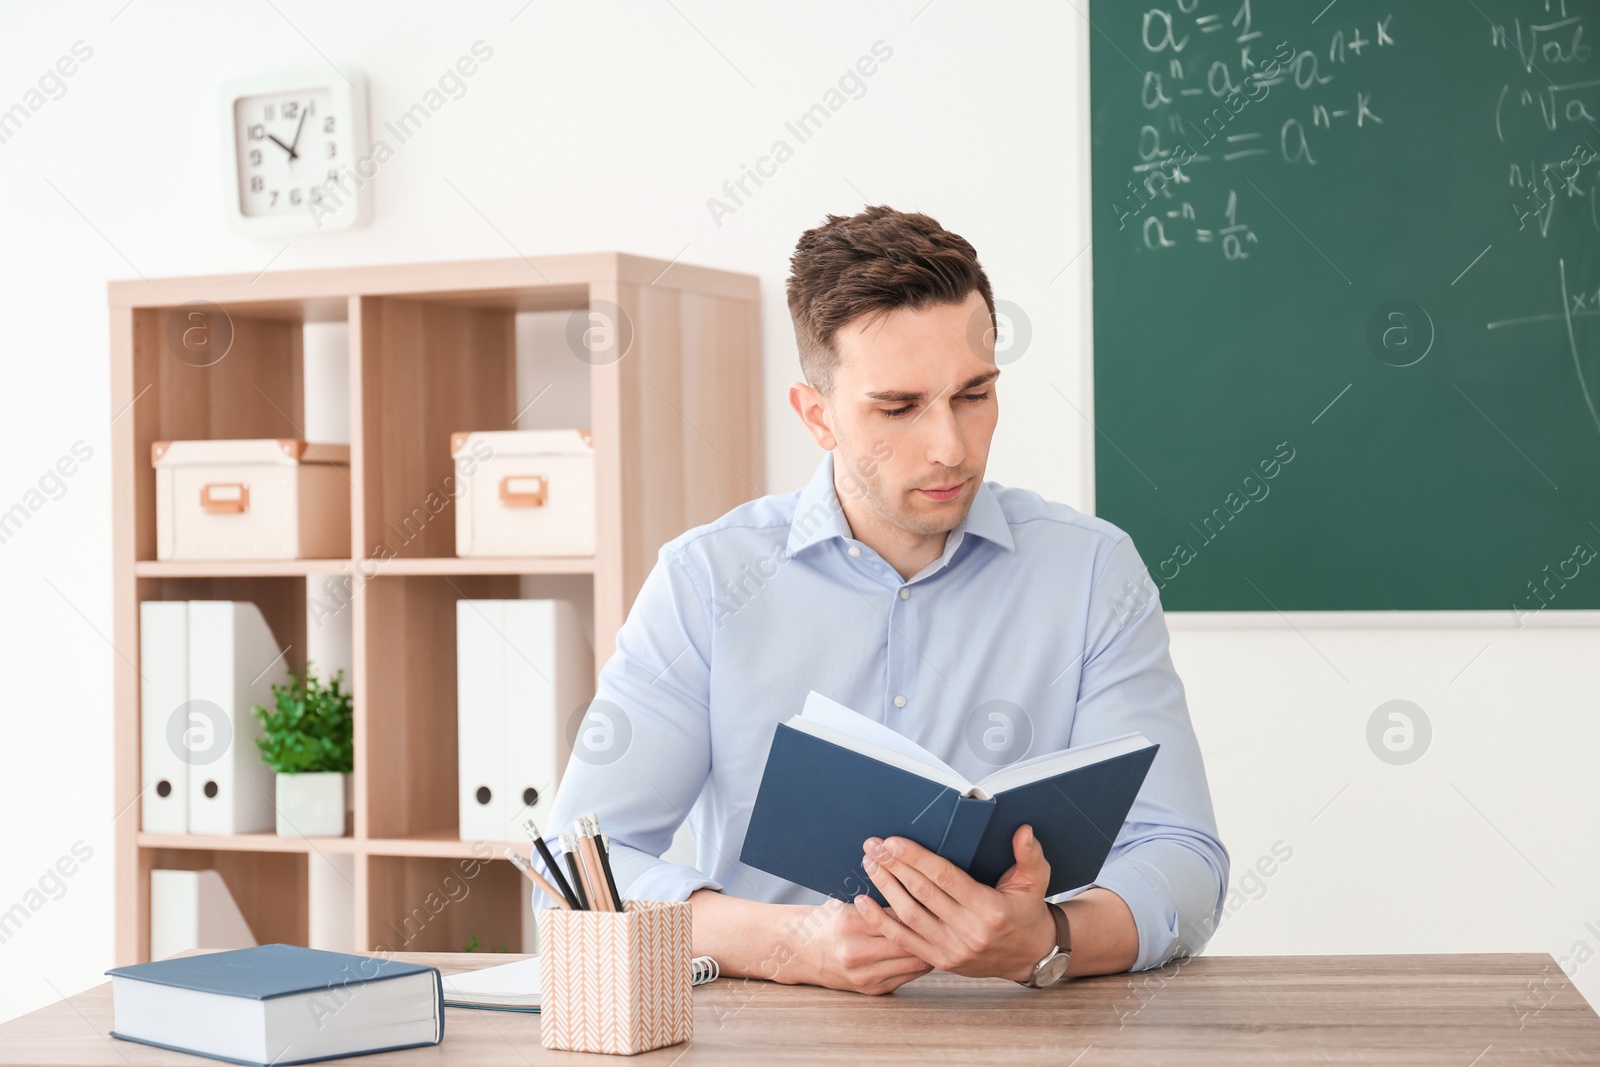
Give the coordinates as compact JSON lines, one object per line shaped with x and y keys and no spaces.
{"x":903,"y":396}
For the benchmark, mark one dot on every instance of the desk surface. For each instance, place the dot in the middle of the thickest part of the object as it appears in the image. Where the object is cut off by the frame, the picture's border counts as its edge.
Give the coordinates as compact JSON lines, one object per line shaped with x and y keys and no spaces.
{"x":1450,"y":1010}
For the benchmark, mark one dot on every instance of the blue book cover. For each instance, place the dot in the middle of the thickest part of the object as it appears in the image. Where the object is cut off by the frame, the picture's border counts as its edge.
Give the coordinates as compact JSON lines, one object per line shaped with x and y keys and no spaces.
{"x":820,"y":799}
{"x":265,"y":972}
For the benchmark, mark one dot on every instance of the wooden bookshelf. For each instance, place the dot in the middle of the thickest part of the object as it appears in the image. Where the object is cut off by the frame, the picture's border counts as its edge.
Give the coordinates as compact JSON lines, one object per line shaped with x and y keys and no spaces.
{"x":677,"y":431}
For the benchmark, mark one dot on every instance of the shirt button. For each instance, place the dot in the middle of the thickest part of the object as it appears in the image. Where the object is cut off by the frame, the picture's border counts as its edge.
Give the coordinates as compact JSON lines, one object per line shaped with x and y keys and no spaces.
{"x":899,"y":702}
{"x":905,"y":594}
{"x":855,"y":550}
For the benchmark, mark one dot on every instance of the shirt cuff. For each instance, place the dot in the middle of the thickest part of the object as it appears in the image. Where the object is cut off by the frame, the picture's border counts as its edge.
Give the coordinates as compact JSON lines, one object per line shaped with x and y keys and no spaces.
{"x":1163,"y":930}
{"x":666,"y":882}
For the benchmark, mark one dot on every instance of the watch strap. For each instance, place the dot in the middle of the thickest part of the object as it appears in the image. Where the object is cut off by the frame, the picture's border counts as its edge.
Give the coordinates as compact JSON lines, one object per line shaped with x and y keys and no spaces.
{"x":1063,"y":928}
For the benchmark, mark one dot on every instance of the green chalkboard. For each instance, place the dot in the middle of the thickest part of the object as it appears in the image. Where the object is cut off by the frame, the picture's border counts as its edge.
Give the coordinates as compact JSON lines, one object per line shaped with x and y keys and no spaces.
{"x":1347,"y":300}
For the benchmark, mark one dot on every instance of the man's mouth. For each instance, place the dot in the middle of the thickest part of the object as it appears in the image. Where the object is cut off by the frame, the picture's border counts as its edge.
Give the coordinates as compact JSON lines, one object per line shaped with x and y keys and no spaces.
{"x":949,"y":492}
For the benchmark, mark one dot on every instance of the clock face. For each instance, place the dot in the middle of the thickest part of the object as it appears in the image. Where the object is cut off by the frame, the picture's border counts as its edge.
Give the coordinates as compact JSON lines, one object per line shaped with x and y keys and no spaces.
{"x":288,"y":145}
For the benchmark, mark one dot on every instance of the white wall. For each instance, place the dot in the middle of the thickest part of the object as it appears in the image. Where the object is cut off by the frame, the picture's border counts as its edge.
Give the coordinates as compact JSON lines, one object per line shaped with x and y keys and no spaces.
{"x":608,"y":127}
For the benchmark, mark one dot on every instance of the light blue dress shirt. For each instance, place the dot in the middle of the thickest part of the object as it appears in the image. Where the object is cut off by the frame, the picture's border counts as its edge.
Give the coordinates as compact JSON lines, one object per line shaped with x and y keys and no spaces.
{"x":1027,"y":635}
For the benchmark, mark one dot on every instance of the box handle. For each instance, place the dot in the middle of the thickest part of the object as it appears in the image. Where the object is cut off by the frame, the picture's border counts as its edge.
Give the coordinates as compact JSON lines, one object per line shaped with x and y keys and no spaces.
{"x":225,"y":498}
{"x":524,"y":490}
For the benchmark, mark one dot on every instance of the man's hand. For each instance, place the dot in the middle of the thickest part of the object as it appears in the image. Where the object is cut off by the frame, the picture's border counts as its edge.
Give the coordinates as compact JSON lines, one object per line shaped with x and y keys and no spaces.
{"x":835,"y":947}
{"x":943,"y":917}
{"x":796,"y":944}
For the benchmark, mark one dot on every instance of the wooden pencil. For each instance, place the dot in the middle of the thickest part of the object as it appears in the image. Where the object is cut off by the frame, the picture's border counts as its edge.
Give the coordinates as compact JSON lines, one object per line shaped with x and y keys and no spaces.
{"x":599,"y":896}
{"x":525,"y":865}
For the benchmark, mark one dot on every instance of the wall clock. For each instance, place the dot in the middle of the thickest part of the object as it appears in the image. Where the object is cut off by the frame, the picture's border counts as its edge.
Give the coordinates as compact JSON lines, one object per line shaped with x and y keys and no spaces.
{"x":296,"y":152}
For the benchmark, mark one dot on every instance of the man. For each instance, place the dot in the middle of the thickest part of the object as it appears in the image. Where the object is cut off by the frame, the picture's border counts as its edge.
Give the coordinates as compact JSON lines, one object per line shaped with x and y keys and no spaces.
{"x":902,"y":585}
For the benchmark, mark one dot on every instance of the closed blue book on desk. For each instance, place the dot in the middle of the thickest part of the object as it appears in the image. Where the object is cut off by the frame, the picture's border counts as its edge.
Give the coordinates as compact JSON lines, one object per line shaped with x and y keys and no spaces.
{"x":835,"y":778}
{"x":278,"y":1005}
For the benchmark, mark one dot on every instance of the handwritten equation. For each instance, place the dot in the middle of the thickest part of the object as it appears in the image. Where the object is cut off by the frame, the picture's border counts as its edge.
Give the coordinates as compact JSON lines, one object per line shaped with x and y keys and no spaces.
{"x":1553,"y":94}
{"x":1208,"y":73}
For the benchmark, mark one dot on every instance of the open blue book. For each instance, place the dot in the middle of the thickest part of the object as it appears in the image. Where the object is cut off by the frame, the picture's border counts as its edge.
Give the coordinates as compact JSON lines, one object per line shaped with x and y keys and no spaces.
{"x":835,"y":778}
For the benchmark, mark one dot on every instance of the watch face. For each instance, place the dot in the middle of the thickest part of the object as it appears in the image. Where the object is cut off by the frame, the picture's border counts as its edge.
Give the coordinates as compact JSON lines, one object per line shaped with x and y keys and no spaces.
{"x":288,"y":145}
{"x":1052,"y":970}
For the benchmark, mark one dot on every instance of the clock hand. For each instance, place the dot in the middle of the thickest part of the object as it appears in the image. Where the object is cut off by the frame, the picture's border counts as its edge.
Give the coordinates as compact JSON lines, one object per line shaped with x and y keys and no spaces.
{"x":274,"y":139}
{"x":292,"y":153}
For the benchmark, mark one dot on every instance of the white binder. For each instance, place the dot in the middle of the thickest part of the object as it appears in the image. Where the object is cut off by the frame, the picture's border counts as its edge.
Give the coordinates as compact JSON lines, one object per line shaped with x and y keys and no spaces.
{"x":480,"y":716}
{"x":545,"y":685}
{"x":524,"y":667}
{"x":233,"y":661}
{"x":163,"y":690}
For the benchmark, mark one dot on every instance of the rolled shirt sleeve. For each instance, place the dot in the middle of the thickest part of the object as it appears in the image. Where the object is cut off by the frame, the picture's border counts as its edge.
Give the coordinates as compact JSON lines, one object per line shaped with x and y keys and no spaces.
{"x":1168,"y":863}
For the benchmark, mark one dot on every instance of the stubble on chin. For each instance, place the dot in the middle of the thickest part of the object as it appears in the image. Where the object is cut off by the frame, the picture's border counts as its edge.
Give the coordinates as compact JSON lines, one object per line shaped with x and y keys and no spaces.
{"x":923,"y":524}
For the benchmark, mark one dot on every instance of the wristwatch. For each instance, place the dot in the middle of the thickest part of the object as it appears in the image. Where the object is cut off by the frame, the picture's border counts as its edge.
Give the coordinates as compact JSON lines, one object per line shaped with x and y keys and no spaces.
{"x":1053,"y":968}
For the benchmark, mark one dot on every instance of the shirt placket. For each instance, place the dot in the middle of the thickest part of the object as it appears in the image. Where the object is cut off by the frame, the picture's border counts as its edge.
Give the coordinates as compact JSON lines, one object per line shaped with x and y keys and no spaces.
{"x":902,"y":693}
{"x":903,"y":625}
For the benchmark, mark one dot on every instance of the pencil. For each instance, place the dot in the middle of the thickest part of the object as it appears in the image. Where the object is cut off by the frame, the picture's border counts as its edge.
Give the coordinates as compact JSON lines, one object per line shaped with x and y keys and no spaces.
{"x":549,"y":861}
{"x":569,"y":852}
{"x":525,"y":865}
{"x":591,"y":865}
{"x":605,"y":866}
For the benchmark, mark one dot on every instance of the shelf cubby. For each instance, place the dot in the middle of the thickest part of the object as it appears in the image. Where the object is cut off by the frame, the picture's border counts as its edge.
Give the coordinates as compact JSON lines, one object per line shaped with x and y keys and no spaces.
{"x":270,"y":887}
{"x":407,"y":725}
{"x":429,"y":368}
{"x":243,"y":380}
{"x":435,"y":904}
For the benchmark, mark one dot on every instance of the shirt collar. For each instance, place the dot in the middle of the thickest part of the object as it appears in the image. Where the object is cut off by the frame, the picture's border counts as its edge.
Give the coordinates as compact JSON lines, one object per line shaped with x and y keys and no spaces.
{"x":818,"y":515}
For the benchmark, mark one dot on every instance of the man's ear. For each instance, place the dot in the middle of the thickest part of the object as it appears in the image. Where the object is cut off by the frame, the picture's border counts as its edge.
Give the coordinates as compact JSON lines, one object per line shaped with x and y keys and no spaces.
{"x":812,"y":408}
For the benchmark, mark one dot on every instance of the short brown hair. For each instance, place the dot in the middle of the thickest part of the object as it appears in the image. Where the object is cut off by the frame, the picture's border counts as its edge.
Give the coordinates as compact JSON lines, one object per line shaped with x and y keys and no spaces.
{"x":871,"y":264}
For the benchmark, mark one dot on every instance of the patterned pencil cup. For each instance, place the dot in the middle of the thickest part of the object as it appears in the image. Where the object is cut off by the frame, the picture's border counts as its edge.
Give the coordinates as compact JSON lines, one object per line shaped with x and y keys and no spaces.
{"x":615,"y":982}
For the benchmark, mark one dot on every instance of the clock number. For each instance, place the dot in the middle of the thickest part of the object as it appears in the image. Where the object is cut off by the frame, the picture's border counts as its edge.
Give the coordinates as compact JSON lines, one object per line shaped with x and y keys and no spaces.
{"x":333,"y":149}
{"x":274,"y":201}
{"x":255,"y":157}
{"x":291,"y":109}
{"x":256,"y":184}
{"x":333,"y":174}
{"x":294,"y":197}
{"x":258,"y":132}
{"x":316,"y":193}
{"x":327,"y":124}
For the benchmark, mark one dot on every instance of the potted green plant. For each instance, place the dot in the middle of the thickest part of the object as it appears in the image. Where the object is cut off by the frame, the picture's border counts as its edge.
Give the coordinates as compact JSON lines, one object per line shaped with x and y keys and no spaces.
{"x":309,"y":740}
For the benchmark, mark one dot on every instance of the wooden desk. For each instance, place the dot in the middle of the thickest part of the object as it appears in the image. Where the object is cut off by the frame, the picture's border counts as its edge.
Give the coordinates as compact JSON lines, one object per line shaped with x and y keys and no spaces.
{"x":1453,"y":1011}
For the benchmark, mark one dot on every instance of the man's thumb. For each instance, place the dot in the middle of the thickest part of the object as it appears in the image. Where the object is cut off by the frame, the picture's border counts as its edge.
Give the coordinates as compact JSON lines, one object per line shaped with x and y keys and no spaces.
{"x":1030,"y":854}
{"x":1031,"y":873}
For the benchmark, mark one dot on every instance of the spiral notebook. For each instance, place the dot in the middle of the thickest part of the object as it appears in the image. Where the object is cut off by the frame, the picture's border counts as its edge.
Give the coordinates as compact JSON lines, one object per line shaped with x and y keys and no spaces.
{"x":515,"y":986}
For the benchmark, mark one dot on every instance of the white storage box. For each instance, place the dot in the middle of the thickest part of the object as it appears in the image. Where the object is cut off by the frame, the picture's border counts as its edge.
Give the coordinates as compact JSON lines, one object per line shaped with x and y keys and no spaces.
{"x":524,"y":493}
{"x":251,"y":499}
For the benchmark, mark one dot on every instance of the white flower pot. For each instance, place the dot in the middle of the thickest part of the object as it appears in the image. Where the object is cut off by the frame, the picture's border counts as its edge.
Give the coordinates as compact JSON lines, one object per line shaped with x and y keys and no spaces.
{"x":313,"y":804}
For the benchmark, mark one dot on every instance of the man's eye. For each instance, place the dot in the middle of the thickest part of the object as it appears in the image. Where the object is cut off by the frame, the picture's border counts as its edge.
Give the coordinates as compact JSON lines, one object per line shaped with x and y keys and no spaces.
{"x":896,"y":412}
{"x":974,"y":397}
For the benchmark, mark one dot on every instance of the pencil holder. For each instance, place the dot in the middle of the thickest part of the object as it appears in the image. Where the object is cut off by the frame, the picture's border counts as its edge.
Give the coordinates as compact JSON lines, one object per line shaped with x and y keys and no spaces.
{"x":615,"y":982}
